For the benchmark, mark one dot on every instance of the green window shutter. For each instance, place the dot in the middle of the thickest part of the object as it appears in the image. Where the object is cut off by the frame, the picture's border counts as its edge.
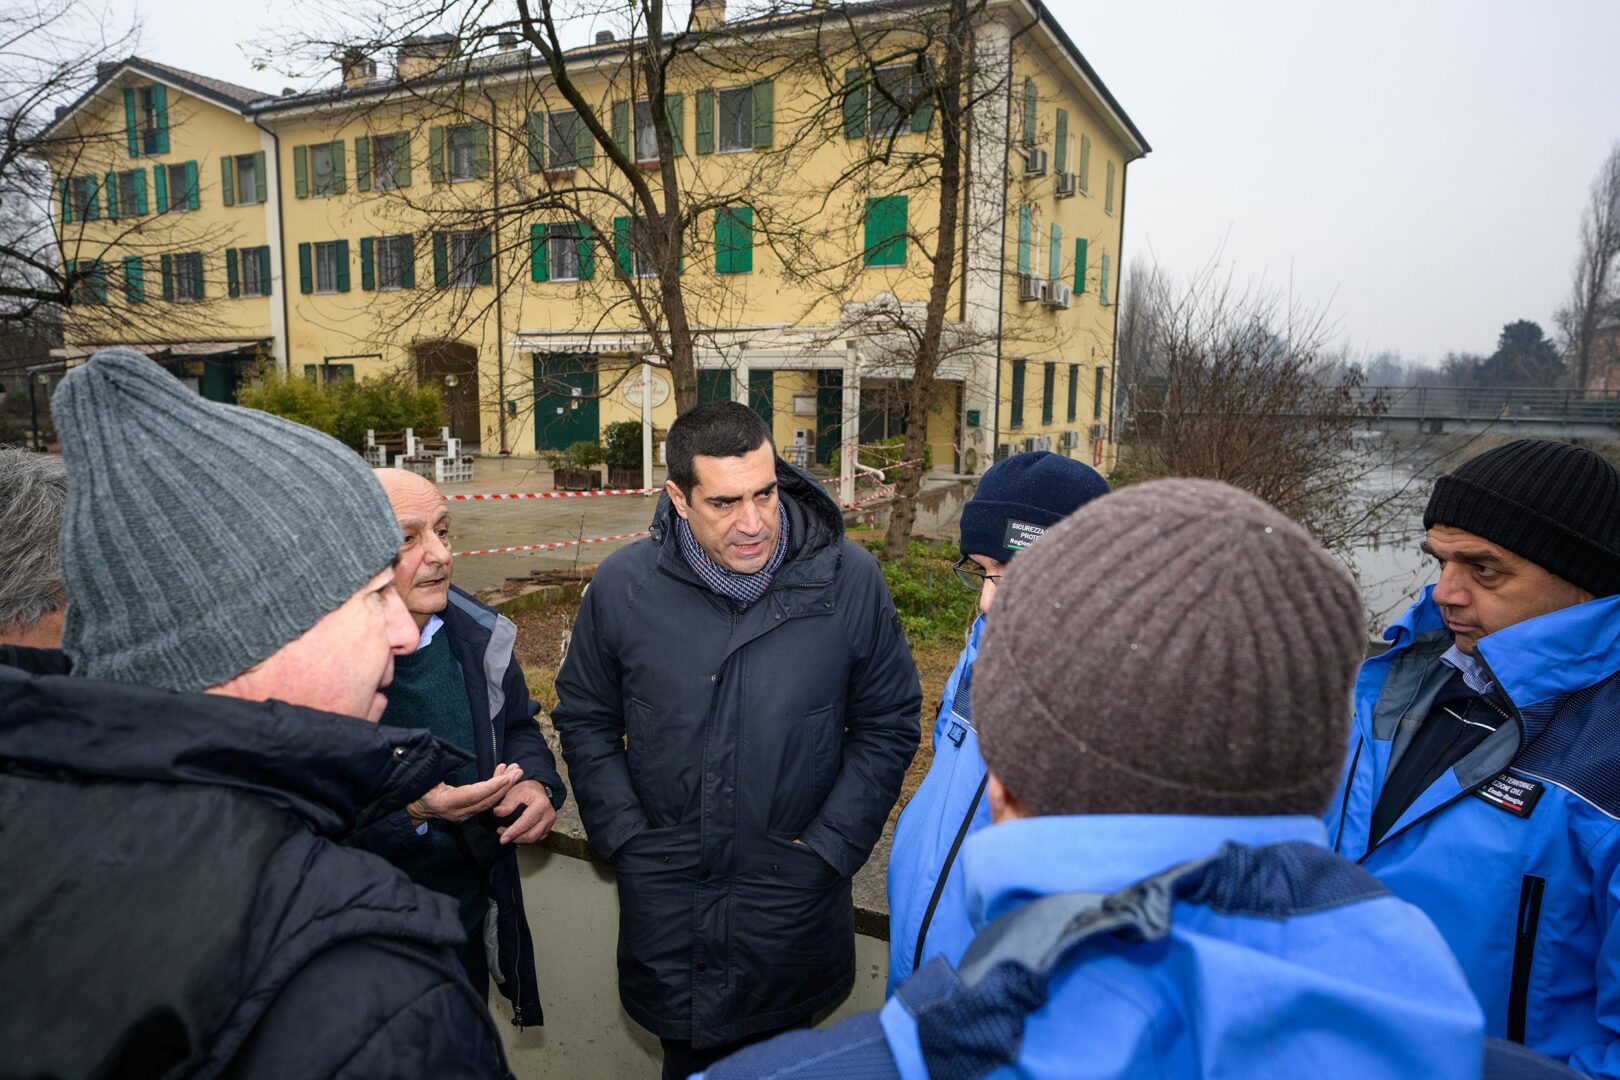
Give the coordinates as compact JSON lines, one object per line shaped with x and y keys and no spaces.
{"x":1048,"y":391}
{"x":483,"y":263}
{"x":587,"y":252}
{"x":402,"y":159}
{"x":1108,"y":192}
{"x":886,"y":231}
{"x":227,"y":180}
{"x":233,"y":283}
{"x":621,"y":247}
{"x":539,"y":266}
{"x":362,"y":163}
{"x":342,"y":266}
{"x":306,"y":270}
{"x":584,"y":144}
{"x":436,"y":154}
{"x":166,"y":271}
{"x":535,"y":132}
{"x":98,"y":281}
{"x":1074,"y":392}
{"x":160,"y":106}
{"x":192,"y":195}
{"x":1026,"y":225}
{"x":1085,"y":162}
{"x":705,"y":121}
{"x":260,"y":181}
{"x":132,"y":132}
{"x":339,"y":168}
{"x":620,"y":126}
{"x":675,"y":112}
{"x":66,"y":197}
{"x":1017,"y":417}
{"x":264,"y":271}
{"x":734,"y":240}
{"x":854,"y":103}
{"x":480,"y":149}
{"x":134,"y":280}
{"x":1080,"y":265}
{"x":139,"y":177}
{"x":197,"y":281}
{"x":111,"y":188}
{"x":1031,"y":103}
{"x":368,"y":265}
{"x":1060,"y":148}
{"x":301,"y":171}
{"x":407,"y":262}
{"x":1054,"y":254}
{"x":1102,"y":283}
{"x":160,"y":186}
{"x":764,"y":114}
{"x":92,"y":202}
{"x":441,"y":260}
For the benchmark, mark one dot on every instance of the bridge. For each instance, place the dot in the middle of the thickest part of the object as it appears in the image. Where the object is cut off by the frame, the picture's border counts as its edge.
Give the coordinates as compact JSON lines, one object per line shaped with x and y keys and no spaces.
{"x":1511,"y":410}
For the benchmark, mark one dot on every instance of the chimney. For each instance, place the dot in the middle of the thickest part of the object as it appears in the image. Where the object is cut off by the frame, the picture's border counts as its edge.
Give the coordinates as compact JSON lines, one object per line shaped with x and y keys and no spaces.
{"x":358,"y":69}
{"x":604,"y":37}
{"x":708,"y":14}
{"x":425,"y":54}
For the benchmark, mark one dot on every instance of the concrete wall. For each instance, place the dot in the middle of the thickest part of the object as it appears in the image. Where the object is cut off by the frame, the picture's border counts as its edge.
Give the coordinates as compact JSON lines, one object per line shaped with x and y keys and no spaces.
{"x":573,"y":910}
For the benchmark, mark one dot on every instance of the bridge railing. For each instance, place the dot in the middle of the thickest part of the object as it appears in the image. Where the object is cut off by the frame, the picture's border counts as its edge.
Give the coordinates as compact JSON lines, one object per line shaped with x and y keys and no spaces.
{"x":1496,"y":403}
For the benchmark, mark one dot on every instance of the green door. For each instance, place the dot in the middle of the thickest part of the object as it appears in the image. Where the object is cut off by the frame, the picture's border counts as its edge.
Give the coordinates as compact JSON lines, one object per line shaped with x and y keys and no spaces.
{"x":714,"y":384}
{"x":829,"y":413}
{"x":761,"y":385}
{"x":565,"y":402}
{"x":219,"y":379}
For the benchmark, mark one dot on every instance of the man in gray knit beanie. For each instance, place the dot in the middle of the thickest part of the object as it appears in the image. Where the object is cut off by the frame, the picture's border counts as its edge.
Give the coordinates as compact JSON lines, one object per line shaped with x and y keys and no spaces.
{"x":175,"y":806}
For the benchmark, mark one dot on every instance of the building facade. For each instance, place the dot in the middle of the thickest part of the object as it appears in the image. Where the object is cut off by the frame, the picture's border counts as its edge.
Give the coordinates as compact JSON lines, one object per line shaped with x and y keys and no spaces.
{"x":457,"y":220}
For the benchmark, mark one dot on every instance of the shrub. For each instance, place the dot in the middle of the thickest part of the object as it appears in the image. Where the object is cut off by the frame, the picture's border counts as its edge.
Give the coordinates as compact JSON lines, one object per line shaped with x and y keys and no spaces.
{"x":622,"y":445}
{"x":931,"y":603}
{"x":585,"y":454}
{"x":345,"y":409}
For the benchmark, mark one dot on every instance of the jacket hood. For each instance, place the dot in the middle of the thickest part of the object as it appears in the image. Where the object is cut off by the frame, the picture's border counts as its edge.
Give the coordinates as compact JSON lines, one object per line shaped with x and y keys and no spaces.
{"x":815,"y":522}
{"x":336,"y":772}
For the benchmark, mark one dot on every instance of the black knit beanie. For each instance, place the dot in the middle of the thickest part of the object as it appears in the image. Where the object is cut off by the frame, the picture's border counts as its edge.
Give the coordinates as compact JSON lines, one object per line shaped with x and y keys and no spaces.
{"x":1020,"y":497}
{"x":1552,"y":503}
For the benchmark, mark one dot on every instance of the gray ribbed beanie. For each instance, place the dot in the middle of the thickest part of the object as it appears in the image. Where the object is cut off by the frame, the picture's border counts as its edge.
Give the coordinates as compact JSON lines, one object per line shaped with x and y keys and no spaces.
{"x":1178,"y":647}
{"x":200,"y":538}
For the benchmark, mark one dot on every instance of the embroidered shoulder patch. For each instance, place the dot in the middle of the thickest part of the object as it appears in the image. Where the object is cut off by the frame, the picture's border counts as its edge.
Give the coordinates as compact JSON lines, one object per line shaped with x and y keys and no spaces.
{"x":1512,"y":793}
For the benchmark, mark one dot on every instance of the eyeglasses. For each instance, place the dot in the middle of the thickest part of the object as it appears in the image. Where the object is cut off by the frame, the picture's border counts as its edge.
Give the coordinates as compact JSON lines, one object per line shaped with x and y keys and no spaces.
{"x":972,"y":575}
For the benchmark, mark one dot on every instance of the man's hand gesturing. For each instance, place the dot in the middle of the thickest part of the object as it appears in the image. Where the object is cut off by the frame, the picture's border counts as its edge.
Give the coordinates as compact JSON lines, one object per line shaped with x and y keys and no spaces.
{"x":460,"y":803}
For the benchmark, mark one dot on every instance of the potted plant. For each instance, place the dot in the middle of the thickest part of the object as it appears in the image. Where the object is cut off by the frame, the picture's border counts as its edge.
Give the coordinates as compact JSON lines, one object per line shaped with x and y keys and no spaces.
{"x":575,"y":469}
{"x":621,"y":450}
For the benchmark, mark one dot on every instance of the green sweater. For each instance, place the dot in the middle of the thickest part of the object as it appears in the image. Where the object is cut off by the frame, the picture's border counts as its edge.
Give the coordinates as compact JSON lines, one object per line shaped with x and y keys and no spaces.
{"x":428,"y":692}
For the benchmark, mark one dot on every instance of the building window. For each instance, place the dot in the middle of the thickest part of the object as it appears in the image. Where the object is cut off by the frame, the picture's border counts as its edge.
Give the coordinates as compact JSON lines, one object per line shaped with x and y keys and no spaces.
{"x":92,"y":287}
{"x":893,"y":101}
{"x":886,"y":231}
{"x":326,"y":267}
{"x":736,"y":119}
{"x":323,"y":174}
{"x":389,"y":164}
{"x":643,"y":257}
{"x":1074,"y":392}
{"x":465,"y":257}
{"x":186,"y":273}
{"x":562,"y":252}
{"x":646,"y":136}
{"x":1048,"y":391}
{"x":249,"y":273}
{"x":180,"y":186}
{"x":463,"y":140}
{"x":247,"y":179}
{"x":1017,"y":417}
{"x":154,"y":120}
{"x":1097,"y":395}
{"x":86,"y":206}
{"x":132,"y":193}
{"x":562,"y":140}
{"x":329,"y":373}
{"x":393,"y":254}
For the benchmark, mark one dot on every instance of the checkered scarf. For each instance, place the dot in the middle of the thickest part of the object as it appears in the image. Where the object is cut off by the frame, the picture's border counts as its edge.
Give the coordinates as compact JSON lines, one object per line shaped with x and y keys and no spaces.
{"x":742,"y":588}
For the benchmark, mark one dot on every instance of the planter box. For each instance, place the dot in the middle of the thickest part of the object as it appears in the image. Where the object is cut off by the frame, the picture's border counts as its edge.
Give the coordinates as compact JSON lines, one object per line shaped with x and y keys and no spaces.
{"x":624,"y":478}
{"x":576,"y":480}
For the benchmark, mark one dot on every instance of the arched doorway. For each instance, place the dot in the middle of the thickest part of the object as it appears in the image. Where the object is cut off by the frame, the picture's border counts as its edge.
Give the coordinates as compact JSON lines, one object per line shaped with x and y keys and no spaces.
{"x":453,"y":368}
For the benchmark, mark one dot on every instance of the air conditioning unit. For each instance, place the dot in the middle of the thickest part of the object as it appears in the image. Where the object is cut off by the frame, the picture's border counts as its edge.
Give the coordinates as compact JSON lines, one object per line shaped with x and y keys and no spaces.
{"x":1098,"y":431}
{"x":1069,"y":440}
{"x":1066,"y":186}
{"x":1031,"y":288}
{"x":1003,"y":451}
{"x":1058,"y":294}
{"x":803,"y":436}
{"x":1030,"y":443}
{"x":1034,"y":161}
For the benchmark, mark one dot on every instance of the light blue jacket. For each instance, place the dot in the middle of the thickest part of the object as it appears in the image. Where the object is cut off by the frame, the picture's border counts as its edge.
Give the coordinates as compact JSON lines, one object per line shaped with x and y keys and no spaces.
{"x":1267,"y":974}
{"x":930,"y":831}
{"x":1514,"y":852}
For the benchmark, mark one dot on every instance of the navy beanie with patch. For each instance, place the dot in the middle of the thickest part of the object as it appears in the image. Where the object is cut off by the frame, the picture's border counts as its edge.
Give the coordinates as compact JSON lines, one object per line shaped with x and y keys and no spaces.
{"x":1022,"y":496}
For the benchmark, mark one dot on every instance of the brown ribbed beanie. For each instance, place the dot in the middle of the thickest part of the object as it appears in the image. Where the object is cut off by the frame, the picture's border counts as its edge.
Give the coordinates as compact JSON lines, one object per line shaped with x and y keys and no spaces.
{"x":1179,"y":647}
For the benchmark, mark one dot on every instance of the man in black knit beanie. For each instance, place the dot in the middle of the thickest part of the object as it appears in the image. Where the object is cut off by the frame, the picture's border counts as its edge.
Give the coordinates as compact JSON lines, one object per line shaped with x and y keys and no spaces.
{"x":1483,"y":782}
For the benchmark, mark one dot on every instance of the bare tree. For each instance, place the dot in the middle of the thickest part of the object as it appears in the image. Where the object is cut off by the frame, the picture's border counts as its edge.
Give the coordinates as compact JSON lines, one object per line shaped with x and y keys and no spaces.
{"x":1593,"y":291}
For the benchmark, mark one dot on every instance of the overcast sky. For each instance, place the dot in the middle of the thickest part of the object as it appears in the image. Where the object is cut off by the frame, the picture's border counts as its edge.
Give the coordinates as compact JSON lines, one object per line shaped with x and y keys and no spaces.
{"x":1417,"y":167}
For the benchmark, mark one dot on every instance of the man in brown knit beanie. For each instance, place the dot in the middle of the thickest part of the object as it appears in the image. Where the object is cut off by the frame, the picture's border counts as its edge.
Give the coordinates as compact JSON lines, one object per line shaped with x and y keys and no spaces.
{"x":1163,"y":698}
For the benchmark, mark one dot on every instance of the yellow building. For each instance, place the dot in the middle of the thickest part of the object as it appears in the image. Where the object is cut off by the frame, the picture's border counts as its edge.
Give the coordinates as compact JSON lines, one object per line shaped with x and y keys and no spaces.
{"x":455,"y":220}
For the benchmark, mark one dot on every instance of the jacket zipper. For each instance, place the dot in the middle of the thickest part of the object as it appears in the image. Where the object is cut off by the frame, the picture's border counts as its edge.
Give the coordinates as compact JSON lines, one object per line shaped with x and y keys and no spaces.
{"x":1349,"y":781}
{"x":945,"y":870}
{"x":1524,"y":953}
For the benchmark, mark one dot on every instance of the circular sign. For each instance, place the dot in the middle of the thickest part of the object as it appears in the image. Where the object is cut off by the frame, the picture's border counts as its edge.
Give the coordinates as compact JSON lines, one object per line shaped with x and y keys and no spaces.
{"x":631,"y":388}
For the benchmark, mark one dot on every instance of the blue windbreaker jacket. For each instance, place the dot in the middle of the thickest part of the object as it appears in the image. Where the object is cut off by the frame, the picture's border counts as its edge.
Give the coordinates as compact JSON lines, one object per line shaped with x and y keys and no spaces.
{"x":928,"y":836}
{"x":1363,"y":988}
{"x":1514,"y":853}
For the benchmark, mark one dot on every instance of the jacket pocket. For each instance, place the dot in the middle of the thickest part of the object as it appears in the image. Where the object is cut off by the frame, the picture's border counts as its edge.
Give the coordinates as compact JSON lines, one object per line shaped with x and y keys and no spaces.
{"x":1524,"y":953}
{"x":805,"y":770}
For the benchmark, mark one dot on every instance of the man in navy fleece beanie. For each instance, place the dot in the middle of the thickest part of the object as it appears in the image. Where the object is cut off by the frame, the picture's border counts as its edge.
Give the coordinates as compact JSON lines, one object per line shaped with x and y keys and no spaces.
{"x":1017,"y":500}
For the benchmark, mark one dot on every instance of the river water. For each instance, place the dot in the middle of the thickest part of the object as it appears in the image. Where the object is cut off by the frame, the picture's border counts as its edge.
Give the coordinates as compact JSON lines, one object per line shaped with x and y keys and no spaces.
{"x":1391,"y":568}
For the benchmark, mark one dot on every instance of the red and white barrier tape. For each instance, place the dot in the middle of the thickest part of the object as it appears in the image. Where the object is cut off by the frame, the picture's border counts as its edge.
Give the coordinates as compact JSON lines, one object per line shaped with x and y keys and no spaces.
{"x":550,"y":547}
{"x":551,"y":494}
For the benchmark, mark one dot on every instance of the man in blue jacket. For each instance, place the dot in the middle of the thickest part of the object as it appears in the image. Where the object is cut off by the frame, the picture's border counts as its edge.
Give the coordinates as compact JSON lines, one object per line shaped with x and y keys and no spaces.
{"x":1161,"y":703}
{"x":1483,"y":777}
{"x":1017,"y":500}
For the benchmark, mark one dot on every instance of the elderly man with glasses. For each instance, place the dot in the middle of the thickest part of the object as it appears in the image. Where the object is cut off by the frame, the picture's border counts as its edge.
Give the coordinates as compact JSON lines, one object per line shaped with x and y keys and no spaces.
{"x":1017,"y":500}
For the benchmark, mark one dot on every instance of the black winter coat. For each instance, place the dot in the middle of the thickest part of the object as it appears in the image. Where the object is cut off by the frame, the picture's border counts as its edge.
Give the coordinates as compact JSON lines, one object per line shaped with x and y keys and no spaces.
{"x":702,"y":741}
{"x":481,"y":641}
{"x":175,"y":904}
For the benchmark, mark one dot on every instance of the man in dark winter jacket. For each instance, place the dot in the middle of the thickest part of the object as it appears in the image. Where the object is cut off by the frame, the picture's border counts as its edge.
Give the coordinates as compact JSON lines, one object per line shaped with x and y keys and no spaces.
{"x":737,"y":710}
{"x":463,"y":683}
{"x":177,"y":903}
